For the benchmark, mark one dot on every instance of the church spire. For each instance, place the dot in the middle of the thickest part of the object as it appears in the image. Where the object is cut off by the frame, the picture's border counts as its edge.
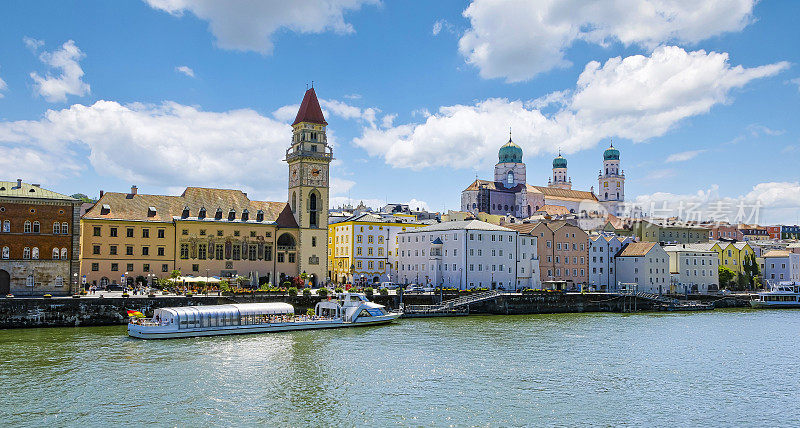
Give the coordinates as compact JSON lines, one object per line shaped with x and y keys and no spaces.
{"x":310,"y":111}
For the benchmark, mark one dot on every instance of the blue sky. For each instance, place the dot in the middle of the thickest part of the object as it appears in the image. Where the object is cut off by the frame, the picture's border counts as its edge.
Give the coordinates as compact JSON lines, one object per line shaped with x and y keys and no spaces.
{"x":418,"y":95}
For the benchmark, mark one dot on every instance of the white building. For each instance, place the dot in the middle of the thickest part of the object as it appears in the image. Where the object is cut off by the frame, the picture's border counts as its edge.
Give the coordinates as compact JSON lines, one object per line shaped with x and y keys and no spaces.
{"x":781,"y":266}
{"x":602,"y":249}
{"x":643,"y":265}
{"x":693,"y":269}
{"x":528,"y":275}
{"x":460,"y":254}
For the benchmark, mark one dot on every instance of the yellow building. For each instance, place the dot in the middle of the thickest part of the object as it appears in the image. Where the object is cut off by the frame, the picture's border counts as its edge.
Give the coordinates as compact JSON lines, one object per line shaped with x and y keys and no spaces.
{"x":732,"y":254}
{"x":363,"y":248}
{"x":217,"y":232}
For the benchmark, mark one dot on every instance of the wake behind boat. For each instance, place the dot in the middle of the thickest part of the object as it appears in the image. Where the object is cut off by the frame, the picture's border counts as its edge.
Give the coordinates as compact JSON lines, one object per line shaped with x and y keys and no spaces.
{"x":348,"y":310}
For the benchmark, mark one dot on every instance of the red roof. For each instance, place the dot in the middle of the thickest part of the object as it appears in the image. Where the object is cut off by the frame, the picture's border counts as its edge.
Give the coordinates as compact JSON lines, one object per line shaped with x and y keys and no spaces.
{"x":310,"y":110}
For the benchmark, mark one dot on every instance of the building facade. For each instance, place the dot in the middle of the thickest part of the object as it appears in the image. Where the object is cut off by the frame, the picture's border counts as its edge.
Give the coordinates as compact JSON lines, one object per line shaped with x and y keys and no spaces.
{"x":363,"y":248}
{"x":459,"y":254}
{"x":790,"y":232}
{"x":39,"y":241}
{"x":642,"y":266}
{"x":668,"y":231}
{"x":563,"y":251}
{"x":693,"y":269}
{"x":781,"y":266}
{"x":602,"y":249}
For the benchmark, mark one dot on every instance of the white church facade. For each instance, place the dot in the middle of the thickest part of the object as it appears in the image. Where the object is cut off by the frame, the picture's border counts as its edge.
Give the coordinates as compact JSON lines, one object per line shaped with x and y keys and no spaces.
{"x":510,"y":194}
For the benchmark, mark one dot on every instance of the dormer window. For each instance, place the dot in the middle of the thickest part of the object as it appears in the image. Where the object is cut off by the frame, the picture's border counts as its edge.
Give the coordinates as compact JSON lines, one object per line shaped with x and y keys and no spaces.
{"x":151,"y":211}
{"x":260,"y":215}
{"x":245,"y":215}
{"x":231,"y":215}
{"x":202,"y":213}
{"x":105,"y":209}
{"x":185,"y":213}
{"x":218,"y":215}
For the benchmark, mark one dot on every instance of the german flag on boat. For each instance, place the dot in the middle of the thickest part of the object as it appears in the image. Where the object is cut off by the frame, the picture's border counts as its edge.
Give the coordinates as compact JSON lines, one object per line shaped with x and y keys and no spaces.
{"x":135,"y":314}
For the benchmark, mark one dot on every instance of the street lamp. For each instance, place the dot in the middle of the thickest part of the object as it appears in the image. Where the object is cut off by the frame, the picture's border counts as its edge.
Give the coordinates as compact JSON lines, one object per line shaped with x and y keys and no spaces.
{"x":75,"y":276}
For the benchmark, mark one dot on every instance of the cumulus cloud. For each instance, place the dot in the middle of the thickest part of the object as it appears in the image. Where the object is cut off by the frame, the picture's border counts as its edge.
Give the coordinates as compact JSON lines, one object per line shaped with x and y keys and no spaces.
{"x":331,"y":108}
{"x":442,"y":24}
{"x":55,"y":88}
{"x":637,"y":97}
{"x":765,"y":203}
{"x":684,"y":156}
{"x":183,"y":69}
{"x":796,"y":82}
{"x":518,"y":39}
{"x":248,"y":25}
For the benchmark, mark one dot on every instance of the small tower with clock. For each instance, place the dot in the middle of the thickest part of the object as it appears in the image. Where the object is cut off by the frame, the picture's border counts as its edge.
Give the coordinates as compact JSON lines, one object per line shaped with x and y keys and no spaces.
{"x":309,"y":158}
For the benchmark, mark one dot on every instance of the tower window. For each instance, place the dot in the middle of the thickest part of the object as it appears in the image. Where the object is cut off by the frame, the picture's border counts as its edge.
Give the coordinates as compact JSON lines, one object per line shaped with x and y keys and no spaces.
{"x":312,"y":208}
{"x":510,"y":178}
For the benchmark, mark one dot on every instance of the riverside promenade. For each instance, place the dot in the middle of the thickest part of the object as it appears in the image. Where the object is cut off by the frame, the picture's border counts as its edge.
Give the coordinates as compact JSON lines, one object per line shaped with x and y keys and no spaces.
{"x":110,"y":308}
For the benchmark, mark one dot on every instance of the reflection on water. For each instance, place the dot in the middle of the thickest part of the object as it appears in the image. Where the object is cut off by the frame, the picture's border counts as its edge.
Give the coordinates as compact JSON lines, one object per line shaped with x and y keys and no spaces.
{"x":720,"y":368}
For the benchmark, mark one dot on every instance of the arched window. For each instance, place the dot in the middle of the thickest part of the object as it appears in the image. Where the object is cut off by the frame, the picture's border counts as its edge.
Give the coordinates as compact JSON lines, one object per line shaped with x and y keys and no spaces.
{"x":56,"y":228}
{"x":63,"y":254}
{"x":617,"y":195}
{"x":26,"y":253}
{"x":55,"y":253}
{"x":27,"y":227}
{"x":510,"y":178}
{"x":29,"y":282}
{"x":312,"y":210}
{"x":59,"y":281}
{"x":286,"y":241}
{"x":606,"y":195}
{"x":35,"y":253}
{"x":6,"y":226}
{"x":36,"y":227}
{"x":294,"y":202}
{"x":474,"y":205}
{"x":64,"y":228}
{"x":6,"y":253}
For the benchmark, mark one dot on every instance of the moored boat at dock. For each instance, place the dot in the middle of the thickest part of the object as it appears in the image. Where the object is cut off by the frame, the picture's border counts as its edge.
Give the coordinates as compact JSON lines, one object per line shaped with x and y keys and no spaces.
{"x":347,"y":310}
{"x":783,"y":295}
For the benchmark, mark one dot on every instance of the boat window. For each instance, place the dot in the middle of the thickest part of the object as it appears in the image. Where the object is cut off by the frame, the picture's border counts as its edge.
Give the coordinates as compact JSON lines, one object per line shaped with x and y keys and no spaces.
{"x":364,"y":313}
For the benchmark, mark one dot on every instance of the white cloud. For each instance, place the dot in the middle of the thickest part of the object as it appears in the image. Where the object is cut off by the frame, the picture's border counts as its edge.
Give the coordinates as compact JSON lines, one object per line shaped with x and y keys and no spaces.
{"x":638,"y":97}
{"x":442,"y":24}
{"x":517,"y":39}
{"x":340,"y":186}
{"x":185,"y":70}
{"x":660,"y":174}
{"x":353,"y":96}
{"x":337,"y":108}
{"x":248,"y":25}
{"x":34,"y":165}
{"x":56,"y":88}
{"x":375,"y":204}
{"x":796,"y":82}
{"x":156,"y":144}
{"x":3,"y":86}
{"x":684,"y":156}
{"x":765,"y":203}
{"x":32,"y":44}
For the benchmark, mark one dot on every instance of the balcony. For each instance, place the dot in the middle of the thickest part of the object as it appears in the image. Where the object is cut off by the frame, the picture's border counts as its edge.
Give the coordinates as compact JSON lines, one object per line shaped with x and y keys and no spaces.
{"x":291,"y":153}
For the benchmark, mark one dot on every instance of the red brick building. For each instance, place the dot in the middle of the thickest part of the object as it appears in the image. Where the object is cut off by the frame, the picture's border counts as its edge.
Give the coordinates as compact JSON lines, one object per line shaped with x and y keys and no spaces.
{"x":39,"y":238}
{"x":774,"y":232}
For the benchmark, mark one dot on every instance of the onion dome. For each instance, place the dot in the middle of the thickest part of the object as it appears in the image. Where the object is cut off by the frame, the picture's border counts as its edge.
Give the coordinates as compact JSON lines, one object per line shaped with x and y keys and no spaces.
{"x":611,"y":153}
{"x":510,"y":152}
{"x":559,"y":161}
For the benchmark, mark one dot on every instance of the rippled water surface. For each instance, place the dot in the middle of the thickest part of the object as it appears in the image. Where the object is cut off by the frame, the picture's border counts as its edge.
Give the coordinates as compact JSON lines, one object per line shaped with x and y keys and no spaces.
{"x":720,"y":368}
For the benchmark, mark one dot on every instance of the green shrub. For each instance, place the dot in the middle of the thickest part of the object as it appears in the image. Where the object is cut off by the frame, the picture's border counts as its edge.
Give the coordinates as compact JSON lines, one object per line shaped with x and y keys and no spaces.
{"x":323,"y":292}
{"x":292,"y":291}
{"x":383,"y":291}
{"x":339,"y":290}
{"x":310,"y":312}
{"x":286,"y":284}
{"x":306,"y":292}
{"x":369,"y":290}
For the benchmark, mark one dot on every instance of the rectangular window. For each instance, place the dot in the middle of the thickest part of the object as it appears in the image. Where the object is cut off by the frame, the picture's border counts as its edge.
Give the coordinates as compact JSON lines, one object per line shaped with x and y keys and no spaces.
{"x":112,"y":250}
{"x":291,"y":257}
{"x":145,"y":233}
{"x":112,"y":232}
{"x":253,"y":252}
{"x":129,"y":267}
{"x":95,"y":249}
{"x":161,"y":233}
{"x":185,"y":232}
{"x":145,"y":251}
{"x":252,"y":233}
{"x":146,"y":267}
{"x":95,"y":267}
{"x":164,"y":267}
{"x":219,"y":252}
{"x":268,"y":253}
{"x":280,"y":257}
{"x":184,"y":251}
{"x":114,"y":267}
{"x":195,"y":267}
{"x":219,"y":233}
{"x":96,"y":231}
{"x":129,"y":232}
{"x":161,"y":251}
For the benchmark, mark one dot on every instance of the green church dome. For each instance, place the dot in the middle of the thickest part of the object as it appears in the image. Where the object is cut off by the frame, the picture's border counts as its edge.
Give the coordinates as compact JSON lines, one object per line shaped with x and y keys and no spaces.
{"x":559,"y":162}
{"x":611,"y":153}
{"x":510,"y":152}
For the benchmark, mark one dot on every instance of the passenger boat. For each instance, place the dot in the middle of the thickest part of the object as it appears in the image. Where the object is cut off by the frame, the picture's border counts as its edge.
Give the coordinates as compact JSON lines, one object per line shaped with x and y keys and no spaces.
{"x":347,"y":310}
{"x":784,"y":295}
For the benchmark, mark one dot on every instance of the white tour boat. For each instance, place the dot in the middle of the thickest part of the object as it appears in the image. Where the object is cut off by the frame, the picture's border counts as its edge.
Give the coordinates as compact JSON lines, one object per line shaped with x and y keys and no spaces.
{"x":347,"y":310}
{"x":784,"y":295}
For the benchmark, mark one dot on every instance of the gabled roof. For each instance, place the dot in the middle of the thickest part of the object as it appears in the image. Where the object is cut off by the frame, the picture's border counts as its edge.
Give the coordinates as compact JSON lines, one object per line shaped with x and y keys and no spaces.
{"x":777,"y":253}
{"x":25,"y":190}
{"x":565,"y":194}
{"x":310,"y":111}
{"x":553,"y":210}
{"x":636,"y":249}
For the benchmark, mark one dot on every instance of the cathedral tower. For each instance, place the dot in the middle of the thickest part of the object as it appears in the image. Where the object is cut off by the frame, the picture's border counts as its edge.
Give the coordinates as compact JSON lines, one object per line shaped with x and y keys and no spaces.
{"x":611,"y":181}
{"x":560,"y":179}
{"x":309,"y":157}
{"x":509,"y":169}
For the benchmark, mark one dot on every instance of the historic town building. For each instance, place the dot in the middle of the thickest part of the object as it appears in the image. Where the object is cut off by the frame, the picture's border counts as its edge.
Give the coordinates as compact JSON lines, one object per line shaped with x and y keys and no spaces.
{"x":510,"y":194}
{"x":38,"y":240}
{"x":643,"y":266}
{"x":130,"y":237}
{"x":562,"y":252}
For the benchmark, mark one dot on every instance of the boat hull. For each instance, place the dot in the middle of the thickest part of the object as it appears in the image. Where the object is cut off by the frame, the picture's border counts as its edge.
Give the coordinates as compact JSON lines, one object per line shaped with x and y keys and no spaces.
{"x":758,"y":304}
{"x":156,"y":332}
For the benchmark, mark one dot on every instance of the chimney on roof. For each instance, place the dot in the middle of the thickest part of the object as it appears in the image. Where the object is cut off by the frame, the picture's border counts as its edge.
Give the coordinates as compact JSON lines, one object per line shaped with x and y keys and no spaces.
{"x":101,"y":194}
{"x":134,"y":189}
{"x":19,"y":183}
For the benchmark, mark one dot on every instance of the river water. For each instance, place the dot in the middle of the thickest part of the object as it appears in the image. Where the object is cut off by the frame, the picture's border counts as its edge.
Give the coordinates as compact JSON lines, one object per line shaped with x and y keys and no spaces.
{"x":720,"y":368}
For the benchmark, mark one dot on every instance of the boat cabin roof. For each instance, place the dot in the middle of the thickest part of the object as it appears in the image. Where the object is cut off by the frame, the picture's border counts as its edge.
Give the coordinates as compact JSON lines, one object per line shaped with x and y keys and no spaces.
{"x":236,"y":308}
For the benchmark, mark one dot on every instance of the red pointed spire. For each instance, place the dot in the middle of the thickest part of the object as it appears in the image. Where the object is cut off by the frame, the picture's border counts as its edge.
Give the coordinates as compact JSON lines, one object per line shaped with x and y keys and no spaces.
{"x":310,"y":110}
